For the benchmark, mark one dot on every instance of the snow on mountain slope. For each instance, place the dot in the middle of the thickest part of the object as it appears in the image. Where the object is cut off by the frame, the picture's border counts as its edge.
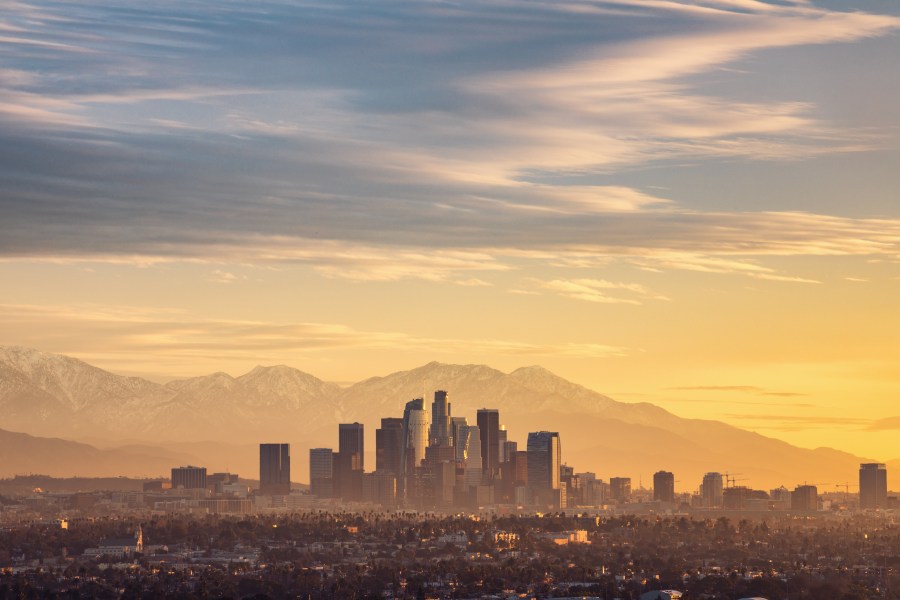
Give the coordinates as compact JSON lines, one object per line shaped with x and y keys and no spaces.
{"x":45,"y":393}
{"x":75,"y":383}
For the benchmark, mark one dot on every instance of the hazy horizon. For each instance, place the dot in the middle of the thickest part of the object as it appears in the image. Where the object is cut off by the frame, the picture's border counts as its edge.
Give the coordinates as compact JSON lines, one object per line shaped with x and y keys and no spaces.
{"x":218,"y":421}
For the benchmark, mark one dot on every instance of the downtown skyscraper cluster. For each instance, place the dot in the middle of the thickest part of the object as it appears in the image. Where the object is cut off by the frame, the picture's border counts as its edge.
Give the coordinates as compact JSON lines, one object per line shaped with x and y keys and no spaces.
{"x":429,"y":458}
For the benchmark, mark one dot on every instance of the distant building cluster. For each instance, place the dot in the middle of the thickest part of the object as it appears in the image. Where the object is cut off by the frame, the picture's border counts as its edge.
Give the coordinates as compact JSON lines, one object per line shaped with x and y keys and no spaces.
{"x":431,"y":459}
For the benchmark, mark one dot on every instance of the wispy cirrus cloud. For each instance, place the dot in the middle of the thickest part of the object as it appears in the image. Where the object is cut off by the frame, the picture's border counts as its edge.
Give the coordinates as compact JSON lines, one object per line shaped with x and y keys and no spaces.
{"x":376,"y":264}
{"x":732,"y":247}
{"x":599,"y":290}
{"x":376,"y":152}
{"x":220,"y":276}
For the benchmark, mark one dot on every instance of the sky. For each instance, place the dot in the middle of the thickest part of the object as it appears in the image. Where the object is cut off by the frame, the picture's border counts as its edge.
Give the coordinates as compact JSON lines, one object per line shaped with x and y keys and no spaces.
{"x":694,"y":204}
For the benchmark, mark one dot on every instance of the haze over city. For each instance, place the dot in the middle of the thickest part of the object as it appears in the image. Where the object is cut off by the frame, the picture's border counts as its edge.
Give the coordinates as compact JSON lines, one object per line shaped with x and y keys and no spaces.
{"x":504,"y":299}
{"x":687,"y":204}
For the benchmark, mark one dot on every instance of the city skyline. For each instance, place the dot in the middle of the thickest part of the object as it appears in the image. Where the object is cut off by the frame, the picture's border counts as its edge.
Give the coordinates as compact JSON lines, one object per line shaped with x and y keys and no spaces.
{"x":452,"y":474}
{"x":604,"y":436}
{"x":497,"y":299}
{"x":687,"y":204}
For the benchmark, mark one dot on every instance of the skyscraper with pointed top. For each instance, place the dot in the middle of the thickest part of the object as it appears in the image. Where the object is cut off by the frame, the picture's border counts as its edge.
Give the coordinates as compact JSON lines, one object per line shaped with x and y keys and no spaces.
{"x":440,"y":433}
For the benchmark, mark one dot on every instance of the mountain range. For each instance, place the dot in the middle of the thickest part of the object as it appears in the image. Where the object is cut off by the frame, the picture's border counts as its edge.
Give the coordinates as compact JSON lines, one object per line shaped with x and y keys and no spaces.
{"x":138,"y":427}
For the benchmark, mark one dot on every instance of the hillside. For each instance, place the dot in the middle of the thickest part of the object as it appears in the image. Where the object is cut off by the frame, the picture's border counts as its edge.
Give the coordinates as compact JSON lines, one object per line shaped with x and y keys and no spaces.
{"x":23,"y":454}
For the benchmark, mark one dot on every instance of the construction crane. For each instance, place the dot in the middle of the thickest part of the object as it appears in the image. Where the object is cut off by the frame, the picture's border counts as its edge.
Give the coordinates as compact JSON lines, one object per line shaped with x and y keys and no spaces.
{"x":846,"y":486}
{"x":730,"y":478}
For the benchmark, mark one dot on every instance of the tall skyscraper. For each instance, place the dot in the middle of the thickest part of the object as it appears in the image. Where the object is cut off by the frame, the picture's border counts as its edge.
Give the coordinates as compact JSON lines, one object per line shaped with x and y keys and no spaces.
{"x":321,"y":472}
{"x":440,"y":433}
{"x":389,"y":446}
{"x":544,"y":459}
{"x":275,"y":469}
{"x":509,"y":450}
{"x":521,"y":460}
{"x":620,"y":489}
{"x":872,"y":485}
{"x":455,"y":424}
{"x":470,"y":454}
{"x":350,"y":465}
{"x":664,"y":486}
{"x":501,"y":445}
{"x":189,"y":478}
{"x":415,"y":434}
{"x":711,"y":490}
{"x":489,"y":426}
{"x":569,"y":483}
{"x":351,"y":443}
{"x":507,"y":488}
{"x":440,"y":447}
